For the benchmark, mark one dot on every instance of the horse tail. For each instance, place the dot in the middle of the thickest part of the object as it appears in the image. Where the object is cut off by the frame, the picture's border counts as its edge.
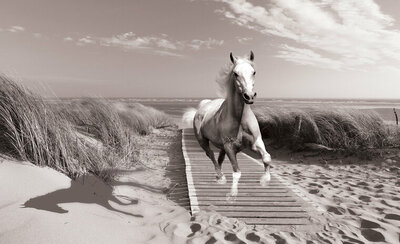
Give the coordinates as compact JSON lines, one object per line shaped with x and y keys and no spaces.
{"x":189,"y":114}
{"x":204,"y":102}
{"x":188,"y":117}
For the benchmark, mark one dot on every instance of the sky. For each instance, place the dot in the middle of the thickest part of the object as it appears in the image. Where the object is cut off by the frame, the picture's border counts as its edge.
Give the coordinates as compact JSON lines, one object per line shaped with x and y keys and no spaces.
{"x":175,"y":48}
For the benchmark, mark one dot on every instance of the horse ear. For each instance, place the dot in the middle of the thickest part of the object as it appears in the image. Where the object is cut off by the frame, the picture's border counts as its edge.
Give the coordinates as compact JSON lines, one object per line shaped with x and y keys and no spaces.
{"x":233,"y":58}
{"x":251,"y":57}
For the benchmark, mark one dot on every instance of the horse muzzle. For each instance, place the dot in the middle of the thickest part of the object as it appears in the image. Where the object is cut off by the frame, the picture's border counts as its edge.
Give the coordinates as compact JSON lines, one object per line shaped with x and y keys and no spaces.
{"x":249,"y":99}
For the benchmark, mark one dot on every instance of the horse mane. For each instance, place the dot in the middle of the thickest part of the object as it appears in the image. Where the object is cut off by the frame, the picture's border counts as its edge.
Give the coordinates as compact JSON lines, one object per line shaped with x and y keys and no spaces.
{"x":223,"y":79}
{"x":224,"y":76}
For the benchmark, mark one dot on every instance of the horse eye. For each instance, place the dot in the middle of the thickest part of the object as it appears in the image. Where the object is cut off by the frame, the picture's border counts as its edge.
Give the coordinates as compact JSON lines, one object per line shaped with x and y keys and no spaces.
{"x":254,"y":73}
{"x":236,"y":75}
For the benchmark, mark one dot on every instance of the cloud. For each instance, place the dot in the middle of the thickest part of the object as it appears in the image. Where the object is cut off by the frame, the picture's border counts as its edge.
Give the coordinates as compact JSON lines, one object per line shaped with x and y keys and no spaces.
{"x":68,"y":39}
{"x":243,"y":40}
{"x":307,"y":57}
{"x":16,"y":29}
{"x":159,"y":44}
{"x":354,"y":33}
{"x":87,"y":40}
{"x":206,"y":44}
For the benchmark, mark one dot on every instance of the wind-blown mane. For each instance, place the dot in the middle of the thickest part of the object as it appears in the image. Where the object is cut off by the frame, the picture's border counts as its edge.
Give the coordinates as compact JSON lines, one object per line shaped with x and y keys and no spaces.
{"x":222,"y":80}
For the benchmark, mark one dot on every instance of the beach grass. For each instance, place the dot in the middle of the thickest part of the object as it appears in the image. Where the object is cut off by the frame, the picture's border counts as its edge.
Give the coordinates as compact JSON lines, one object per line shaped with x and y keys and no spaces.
{"x":75,"y":138}
{"x":337,"y":128}
{"x":142,"y":118}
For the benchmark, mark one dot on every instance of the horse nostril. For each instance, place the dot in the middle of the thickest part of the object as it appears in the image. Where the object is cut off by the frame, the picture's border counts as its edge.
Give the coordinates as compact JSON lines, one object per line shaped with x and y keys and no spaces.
{"x":246,"y":96}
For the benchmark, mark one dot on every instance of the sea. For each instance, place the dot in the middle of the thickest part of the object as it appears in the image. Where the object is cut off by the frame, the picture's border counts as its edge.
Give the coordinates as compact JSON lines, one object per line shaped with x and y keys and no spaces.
{"x":177,"y":106}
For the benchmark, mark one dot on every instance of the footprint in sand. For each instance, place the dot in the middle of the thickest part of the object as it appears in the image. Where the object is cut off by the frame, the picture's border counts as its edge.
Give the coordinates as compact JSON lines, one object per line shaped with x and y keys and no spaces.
{"x":379,"y":186}
{"x":253,"y":237}
{"x":392,"y":216}
{"x":230,"y":237}
{"x":195,"y":228}
{"x":365,"y":198}
{"x":313,"y":191}
{"x":351,"y":240}
{"x":212,"y":240}
{"x":372,"y":235}
{"x":351,"y":211}
{"x":336,"y":210}
{"x":315,"y":184}
{"x":369,"y":224}
{"x":362,"y":183}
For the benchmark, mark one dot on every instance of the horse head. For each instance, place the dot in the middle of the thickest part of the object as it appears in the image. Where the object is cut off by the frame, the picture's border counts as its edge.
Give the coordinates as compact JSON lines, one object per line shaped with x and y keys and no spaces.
{"x":243,"y":74}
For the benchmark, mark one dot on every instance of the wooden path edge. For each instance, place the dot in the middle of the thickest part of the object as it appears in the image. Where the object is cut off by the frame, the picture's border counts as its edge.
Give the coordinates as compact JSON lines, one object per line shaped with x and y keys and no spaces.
{"x":194,"y":204}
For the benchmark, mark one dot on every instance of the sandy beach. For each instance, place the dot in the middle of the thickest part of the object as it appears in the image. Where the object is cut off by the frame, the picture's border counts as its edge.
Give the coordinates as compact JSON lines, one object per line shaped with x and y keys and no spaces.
{"x":356,"y":201}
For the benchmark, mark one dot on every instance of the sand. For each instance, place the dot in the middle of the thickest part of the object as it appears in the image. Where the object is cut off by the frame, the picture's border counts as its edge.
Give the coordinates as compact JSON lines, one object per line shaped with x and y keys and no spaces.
{"x":41,"y":205}
{"x":359,"y":202}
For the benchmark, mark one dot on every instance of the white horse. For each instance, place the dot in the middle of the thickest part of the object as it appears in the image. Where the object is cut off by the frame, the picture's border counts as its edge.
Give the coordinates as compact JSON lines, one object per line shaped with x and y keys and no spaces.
{"x":229,"y":123}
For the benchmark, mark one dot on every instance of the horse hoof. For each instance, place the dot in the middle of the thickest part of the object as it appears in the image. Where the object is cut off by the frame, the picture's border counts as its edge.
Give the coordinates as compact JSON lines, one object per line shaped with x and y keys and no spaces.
{"x":221,"y":180}
{"x":231,"y":197}
{"x":265,"y":179}
{"x":267,"y":158}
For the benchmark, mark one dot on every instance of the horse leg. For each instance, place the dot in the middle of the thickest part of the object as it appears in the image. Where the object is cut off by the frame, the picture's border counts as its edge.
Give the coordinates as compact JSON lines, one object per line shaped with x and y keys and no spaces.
{"x":266,"y":158}
{"x":235,"y":175}
{"x":221,"y":157}
{"x":205,"y":144}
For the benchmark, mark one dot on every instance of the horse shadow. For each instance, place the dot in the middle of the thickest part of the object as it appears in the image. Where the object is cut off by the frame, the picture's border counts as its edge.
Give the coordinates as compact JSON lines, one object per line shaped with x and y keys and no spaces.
{"x":86,"y":189}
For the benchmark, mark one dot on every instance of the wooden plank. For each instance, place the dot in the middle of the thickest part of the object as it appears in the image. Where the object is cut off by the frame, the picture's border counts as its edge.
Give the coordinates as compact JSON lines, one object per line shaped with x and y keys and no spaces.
{"x":245,"y":194}
{"x":240,"y":186}
{"x":250,"y":199}
{"x":275,"y":221}
{"x":286,"y":215}
{"x":248,"y":184}
{"x":248,"y":190}
{"x":248,"y":204}
{"x":221,"y":209}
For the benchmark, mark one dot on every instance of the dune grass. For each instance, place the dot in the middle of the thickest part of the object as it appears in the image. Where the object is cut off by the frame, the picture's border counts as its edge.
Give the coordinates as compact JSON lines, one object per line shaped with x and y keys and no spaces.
{"x":338,"y":128}
{"x":31,"y":130}
{"x":99,"y":119}
{"x":141,"y":118}
{"x":75,"y":138}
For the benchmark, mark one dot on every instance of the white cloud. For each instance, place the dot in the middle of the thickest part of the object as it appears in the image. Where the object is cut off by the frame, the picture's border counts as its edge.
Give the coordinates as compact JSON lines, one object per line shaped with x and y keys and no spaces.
{"x":307,"y":57}
{"x":207,"y":44}
{"x":354,"y":33}
{"x":16,"y":29}
{"x":87,"y":40}
{"x":244,"y":40}
{"x":68,"y":39}
{"x":160,"y":44}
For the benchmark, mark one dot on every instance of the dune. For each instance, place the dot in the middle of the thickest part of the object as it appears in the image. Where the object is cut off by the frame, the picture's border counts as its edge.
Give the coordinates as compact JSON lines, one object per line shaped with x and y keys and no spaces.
{"x":41,"y":205}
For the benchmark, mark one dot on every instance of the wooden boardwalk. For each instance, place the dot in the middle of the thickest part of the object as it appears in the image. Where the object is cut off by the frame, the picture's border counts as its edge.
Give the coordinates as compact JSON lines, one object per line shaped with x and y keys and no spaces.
{"x":274,"y":204}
